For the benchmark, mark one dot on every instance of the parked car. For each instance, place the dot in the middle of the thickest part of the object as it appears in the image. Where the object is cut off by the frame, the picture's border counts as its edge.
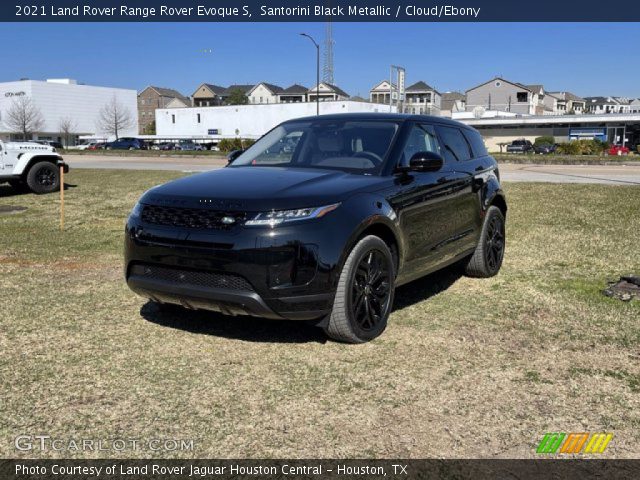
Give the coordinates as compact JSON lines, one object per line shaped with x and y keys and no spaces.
{"x":618,"y":150}
{"x":97,"y":146}
{"x":126,"y":144}
{"x":167,"y":146}
{"x":323,"y":233}
{"x":520,"y":146}
{"x":544,"y":149}
{"x":189,"y":146}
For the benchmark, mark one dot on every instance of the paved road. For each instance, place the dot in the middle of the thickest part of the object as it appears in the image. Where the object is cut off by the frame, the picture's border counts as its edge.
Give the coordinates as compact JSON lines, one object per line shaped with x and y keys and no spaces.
{"x":605,"y":174}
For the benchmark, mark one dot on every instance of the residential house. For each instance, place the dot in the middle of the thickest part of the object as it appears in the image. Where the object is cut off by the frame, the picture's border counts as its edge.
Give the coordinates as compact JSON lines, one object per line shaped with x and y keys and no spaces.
{"x":634,"y":106}
{"x":503,"y":95}
{"x":152,"y":98}
{"x":567,"y":103}
{"x":421,"y":98}
{"x":604,"y":105}
{"x":453,"y":102}
{"x":293,"y":94}
{"x":232,"y":88}
{"x":326,"y":92}
{"x":208,"y":95}
{"x":381,"y":93}
{"x":264,"y":93}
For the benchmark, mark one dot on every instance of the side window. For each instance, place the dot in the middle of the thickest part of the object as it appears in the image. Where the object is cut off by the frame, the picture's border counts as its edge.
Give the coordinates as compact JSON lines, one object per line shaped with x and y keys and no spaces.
{"x":477,"y":143}
{"x":421,"y":139}
{"x":455,"y":146}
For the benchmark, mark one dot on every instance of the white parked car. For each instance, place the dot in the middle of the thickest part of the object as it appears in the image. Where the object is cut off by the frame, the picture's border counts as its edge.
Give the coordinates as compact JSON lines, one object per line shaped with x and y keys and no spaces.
{"x":31,"y":165}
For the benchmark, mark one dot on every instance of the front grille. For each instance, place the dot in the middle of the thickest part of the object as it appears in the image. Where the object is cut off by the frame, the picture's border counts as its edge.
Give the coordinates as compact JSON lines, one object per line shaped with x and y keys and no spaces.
{"x":178,"y":276}
{"x":199,"y":218}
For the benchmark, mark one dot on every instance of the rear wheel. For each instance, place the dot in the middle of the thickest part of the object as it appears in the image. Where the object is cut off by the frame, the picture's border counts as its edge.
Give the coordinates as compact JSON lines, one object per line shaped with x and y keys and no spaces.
{"x":43,"y":177}
{"x":364,"y":297}
{"x":487,"y":259}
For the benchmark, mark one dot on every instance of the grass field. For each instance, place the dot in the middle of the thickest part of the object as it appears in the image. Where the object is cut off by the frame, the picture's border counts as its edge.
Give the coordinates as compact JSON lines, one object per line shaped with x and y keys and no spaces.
{"x":466,"y":368}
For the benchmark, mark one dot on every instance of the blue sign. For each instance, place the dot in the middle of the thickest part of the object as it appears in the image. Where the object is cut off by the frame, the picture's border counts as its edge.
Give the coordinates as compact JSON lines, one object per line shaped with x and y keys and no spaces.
{"x":212,"y":131}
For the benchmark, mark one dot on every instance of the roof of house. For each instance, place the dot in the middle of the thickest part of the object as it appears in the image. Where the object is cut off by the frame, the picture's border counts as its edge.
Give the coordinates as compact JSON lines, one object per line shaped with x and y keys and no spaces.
{"x":524,"y":87}
{"x":244,"y":88}
{"x":331,"y":87}
{"x":449,"y":99}
{"x":566,"y":96}
{"x":269,"y":86}
{"x":295,"y":89}
{"x":167,"y":92}
{"x":217,"y":89}
{"x":420,"y":87}
{"x":601,"y":100}
{"x":381,"y":83}
{"x":536,"y":88}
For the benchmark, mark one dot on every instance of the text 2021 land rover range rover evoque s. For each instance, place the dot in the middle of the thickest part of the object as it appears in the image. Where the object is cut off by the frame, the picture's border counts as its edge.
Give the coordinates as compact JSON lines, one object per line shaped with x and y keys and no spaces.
{"x":320,"y":220}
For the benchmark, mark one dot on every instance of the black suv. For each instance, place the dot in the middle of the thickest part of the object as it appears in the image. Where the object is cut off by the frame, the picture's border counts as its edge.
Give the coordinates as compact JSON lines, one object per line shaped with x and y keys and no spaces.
{"x":320,"y":220}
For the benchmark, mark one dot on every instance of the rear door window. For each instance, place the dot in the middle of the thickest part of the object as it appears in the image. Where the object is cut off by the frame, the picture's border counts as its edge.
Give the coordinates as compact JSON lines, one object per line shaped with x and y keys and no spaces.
{"x":454,"y":145}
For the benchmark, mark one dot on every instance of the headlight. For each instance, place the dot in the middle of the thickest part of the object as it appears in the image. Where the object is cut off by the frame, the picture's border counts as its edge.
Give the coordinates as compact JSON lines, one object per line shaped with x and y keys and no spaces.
{"x":284,"y":216}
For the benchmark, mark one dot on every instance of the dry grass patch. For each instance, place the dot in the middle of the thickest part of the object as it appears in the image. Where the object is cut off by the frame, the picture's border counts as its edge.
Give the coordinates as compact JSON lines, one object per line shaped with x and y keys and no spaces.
{"x":467,"y":368}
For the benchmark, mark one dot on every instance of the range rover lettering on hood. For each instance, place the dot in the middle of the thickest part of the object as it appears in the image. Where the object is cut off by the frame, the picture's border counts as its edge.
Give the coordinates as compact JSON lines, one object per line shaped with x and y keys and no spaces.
{"x":184,"y":202}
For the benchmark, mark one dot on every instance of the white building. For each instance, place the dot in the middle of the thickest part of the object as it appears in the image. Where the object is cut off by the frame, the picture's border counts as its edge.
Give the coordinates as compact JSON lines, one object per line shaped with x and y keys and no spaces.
{"x":60,"y":99}
{"x":247,"y":121}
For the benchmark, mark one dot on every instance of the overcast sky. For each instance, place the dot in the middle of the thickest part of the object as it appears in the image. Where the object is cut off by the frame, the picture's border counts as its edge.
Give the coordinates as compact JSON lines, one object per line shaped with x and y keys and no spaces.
{"x":587,"y":59}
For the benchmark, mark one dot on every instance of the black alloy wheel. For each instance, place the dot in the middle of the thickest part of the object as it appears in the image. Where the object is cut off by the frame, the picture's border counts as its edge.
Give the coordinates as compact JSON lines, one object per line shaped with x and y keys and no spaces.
{"x":370,"y":293}
{"x":494,"y":248}
{"x":364,"y":297}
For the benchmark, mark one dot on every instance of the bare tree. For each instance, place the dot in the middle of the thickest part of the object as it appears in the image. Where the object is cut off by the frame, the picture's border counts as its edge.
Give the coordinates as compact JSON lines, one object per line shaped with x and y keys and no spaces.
{"x":114,"y":118}
{"x":24,"y":118}
{"x":67,"y":127}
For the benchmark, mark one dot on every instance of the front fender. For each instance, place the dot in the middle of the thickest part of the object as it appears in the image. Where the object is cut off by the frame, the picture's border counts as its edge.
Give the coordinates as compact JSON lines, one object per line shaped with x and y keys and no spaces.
{"x":29,"y":158}
{"x":371,"y":212}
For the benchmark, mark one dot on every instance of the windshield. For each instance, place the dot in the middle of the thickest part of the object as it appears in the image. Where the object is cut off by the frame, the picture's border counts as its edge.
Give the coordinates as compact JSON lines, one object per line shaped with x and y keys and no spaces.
{"x":352,"y":146}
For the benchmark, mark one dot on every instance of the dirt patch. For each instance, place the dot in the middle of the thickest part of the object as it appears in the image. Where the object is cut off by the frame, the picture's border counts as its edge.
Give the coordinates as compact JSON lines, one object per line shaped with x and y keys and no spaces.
{"x":11,"y":209}
{"x":625,"y":289}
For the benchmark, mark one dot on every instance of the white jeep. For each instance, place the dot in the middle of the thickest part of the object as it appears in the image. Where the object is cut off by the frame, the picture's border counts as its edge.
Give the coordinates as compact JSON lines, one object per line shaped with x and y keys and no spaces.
{"x":31,"y":165}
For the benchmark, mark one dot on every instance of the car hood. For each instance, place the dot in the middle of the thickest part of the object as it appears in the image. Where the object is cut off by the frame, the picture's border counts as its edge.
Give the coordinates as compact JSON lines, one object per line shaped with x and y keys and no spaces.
{"x":262,"y":188}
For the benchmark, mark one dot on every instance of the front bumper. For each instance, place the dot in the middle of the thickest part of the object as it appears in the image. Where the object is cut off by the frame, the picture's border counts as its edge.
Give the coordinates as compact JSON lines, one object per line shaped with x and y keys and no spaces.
{"x":281,"y":273}
{"x":64,"y":165}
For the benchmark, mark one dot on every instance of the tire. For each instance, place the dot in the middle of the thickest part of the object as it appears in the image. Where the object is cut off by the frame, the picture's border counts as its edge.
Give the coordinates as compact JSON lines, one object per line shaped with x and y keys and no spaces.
{"x":364,"y":296}
{"x":43,"y":177}
{"x":487,"y":258}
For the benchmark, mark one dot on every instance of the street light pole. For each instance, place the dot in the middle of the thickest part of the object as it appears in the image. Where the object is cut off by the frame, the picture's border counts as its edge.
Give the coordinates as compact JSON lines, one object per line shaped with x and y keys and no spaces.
{"x":317,"y":71}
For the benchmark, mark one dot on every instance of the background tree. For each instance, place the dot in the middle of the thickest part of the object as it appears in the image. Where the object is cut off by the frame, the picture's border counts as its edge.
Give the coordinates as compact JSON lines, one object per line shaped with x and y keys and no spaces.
{"x":67,"y":127}
{"x":150,"y":129}
{"x":24,"y":118}
{"x":114,"y":118}
{"x":237,"y":97}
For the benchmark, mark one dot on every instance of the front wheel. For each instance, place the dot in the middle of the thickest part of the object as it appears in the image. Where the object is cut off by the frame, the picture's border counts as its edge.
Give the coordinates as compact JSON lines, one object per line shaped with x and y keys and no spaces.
{"x":43,"y":177}
{"x":364,"y":297}
{"x":487,"y":258}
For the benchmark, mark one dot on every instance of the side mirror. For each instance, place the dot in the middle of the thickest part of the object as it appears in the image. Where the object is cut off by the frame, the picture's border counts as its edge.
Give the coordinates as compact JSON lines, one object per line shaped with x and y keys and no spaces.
{"x":231,"y":156}
{"x":426,"y":162}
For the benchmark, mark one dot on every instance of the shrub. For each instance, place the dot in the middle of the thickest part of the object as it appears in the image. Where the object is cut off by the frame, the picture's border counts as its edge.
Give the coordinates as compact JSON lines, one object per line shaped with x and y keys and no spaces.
{"x":545,"y":140}
{"x":583,"y":147}
{"x":227,"y":145}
